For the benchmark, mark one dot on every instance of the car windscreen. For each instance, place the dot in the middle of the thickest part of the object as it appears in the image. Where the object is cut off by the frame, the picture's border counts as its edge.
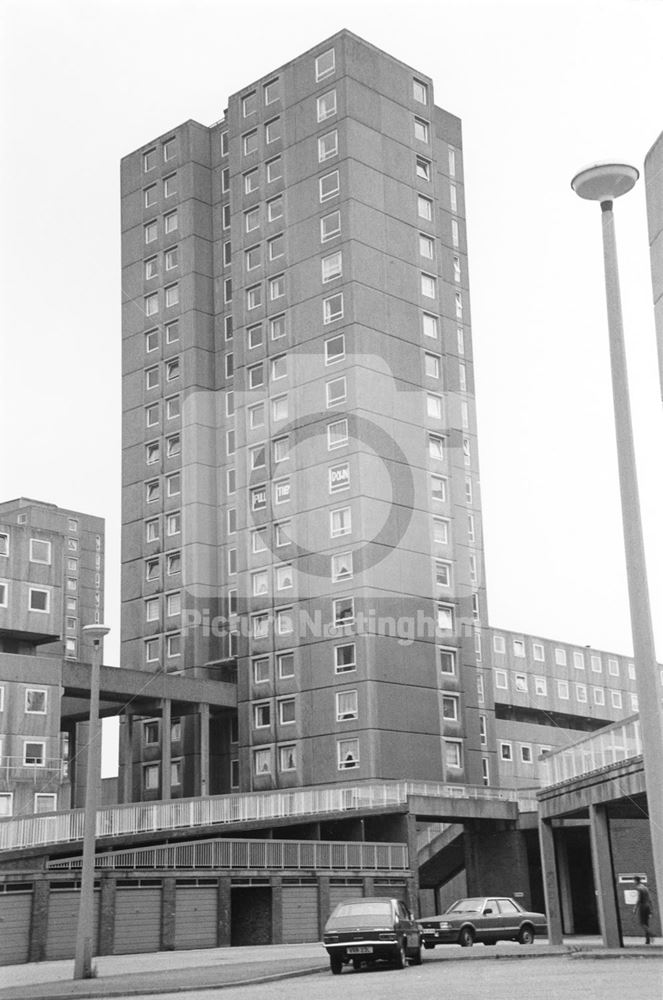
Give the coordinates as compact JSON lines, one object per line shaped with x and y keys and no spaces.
{"x":361,"y":914}
{"x":467,"y":906}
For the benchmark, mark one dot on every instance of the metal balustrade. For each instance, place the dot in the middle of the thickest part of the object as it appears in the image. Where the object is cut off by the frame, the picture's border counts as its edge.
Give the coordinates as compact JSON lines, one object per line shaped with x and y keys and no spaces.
{"x":296,"y":855}
{"x":618,"y":742}
{"x":151,"y":817}
{"x":48,"y":769}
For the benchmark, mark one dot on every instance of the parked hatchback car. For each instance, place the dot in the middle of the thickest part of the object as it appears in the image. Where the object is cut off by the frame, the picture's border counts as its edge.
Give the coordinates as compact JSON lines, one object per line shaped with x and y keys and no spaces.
{"x":372,"y":929}
{"x":483,"y":918}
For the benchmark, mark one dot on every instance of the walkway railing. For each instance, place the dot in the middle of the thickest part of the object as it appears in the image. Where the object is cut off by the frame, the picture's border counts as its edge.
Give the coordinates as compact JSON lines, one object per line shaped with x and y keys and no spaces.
{"x":53,"y":769}
{"x":257,"y":854}
{"x":150,"y":817}
{"x":618,"y":742}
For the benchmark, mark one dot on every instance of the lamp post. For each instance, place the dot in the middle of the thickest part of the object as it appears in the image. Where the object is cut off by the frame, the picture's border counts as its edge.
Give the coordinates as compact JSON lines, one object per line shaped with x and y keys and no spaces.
{"x":83,"y":953}
{"x":604,"y":182}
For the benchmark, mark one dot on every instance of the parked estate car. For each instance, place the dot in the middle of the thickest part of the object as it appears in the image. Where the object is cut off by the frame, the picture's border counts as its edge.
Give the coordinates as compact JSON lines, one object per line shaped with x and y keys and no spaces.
{"x":372,"y":929}
{"x":483,"y":918}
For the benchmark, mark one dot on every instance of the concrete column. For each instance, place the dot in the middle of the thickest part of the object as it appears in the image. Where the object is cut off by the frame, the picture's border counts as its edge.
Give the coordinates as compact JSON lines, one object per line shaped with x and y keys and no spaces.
{"x":564,"y":882}
{"x":276,"y":882}
{"x":203,"y":710}
{"x":223,"y":913}
{"x":39,"y":920}
{"x":496,"y":861}
{"x":166,"y":754}
{"x":168,"y":914}
{"x":550,"y":880}
{"x":324,"y":906}
{"x":107,"y":915}
{"x":126,"y":757}
{"x":604,"y":877}
{"x":369,"y":885}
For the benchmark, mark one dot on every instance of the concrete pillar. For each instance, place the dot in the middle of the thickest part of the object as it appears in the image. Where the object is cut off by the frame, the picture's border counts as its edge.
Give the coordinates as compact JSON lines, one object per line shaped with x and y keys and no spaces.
{"x":107,"y":915}
{"x":168,"y":914}
{"x":126,"y":757}
{"x":166,"y":753}
{"x":564,"y":884}
{"x":223,"y":913}
{"x":496,"y":861}
{"x":203,"y":710}
{"x":276,"y":882}
{"x":324,"y":906}
{"x":39,"y":920}
{"x":550,"y":881}
{"x":604,"y":877}
{"x":369,"y":885}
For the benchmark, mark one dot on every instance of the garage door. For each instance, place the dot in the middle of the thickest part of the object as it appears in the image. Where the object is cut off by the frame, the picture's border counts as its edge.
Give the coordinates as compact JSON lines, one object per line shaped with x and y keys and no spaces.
{"x":63,"y":907}
{"x":195,"y":916}
{"x":15,"y":912}
{"x":137,"y":920}
{"x":396,"y":890}
{"x":337,"y":893}
{"x":300,"y":913}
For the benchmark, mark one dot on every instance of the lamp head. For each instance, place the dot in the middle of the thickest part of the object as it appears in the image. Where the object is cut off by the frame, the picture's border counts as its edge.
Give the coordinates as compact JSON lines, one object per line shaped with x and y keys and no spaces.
{"x":604,"y":181}
{"x":95,"y":632}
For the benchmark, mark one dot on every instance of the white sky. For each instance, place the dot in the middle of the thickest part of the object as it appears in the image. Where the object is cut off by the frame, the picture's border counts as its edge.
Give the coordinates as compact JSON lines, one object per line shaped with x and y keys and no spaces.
{"x":543,"y":88}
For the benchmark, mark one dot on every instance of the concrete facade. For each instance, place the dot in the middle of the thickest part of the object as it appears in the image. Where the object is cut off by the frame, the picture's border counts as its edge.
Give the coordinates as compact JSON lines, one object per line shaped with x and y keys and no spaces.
{"x":300,"y":479}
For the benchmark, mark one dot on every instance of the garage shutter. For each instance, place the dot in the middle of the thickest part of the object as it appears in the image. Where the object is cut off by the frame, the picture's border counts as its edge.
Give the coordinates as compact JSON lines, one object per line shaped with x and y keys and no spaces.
{"x":337,"y":893}
{"x":395,"y":890}
{"x":15,"y":911}
{"x":137,"y":920}
{"x":300,"y":913}
{"x":63,"y":922}
{"x":195,"y":917}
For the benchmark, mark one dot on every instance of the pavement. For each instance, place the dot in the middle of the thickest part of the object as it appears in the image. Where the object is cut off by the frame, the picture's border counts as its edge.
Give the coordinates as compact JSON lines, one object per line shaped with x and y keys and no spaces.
{"x":216,"y":968}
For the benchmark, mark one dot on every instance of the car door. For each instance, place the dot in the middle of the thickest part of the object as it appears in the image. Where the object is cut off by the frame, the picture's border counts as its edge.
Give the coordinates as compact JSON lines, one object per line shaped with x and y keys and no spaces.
{"x":510,"y":918}
{"x":489,"y":925}
{"x":407,"y":924}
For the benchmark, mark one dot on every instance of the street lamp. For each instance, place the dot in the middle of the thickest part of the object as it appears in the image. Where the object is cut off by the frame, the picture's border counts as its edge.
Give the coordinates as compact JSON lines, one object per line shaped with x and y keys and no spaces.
{"x":603,"y":182}
{"x":83,"y":953}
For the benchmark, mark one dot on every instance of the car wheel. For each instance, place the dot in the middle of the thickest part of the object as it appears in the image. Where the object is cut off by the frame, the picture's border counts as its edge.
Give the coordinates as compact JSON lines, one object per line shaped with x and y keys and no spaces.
{"x":336,"y":965}
{"x":526,"y":935}
{"x":418,"y":956}
{"x":429,"y":945}
{"x":466,"y":937}
{"x":401,"y":960}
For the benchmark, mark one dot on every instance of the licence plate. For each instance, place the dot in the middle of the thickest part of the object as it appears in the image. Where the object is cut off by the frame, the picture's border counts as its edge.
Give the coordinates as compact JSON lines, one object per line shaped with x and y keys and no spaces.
{"x":361,"y":949}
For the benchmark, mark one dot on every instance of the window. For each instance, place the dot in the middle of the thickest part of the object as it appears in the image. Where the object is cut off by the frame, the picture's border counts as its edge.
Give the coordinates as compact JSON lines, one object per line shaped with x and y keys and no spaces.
{"x":335,"y":349}
{"x":346,"y":706}
{"x":347,"y":754}
{"x":282,"y":491}
{"x":581,"y":692}
{"x":173,"y":563}
{"x":35,"y":701}
{"x":613,"y":666}
{"x":173,"y":644}
{"x":499,"y":645}
{"x":325,"y":64}
{"x":251,"y":181}
{"x":40,"y":551}
{"x":442,"y":573}
{"x":225,"y":217}
{"x":45,"y":802}
{"x":423,"y":168}
{"x":259,"y":584}
{"x":4,"y":594}
{"x":256,"y":416}
{"x":277,"y":327}
{"x":436,"y":447}
{"x":151,"y":650}
{"x":520,"y":683}
{"x":480,"y":688}
{"x":34,"y":753}
{"x":270,"y":91}
{"x":483,"y":731}
{"x":174,"y":484}
{"x":340,"y":522}
{"x":339,"y":477}
{"x":563,"y":690}
{"x":152,"y":609}
{"x":344,"y":611}
{"x":152,"y":304}
{"x":254,"y":296}
{"x":152,"y":380}
{"x":540,"y":686}
{"x":151,"y":268}
{"x":279,"y":408}
{"x":578,"y":660}
{"x":152,"y":453}
{"x":152,"y":491}
{"x":284,"y":621}
{"x":453,"y":197}
{"x":616,"y":699}
{"x":330,"y":226}
{"x":285,"y":663}
{"x":151,"y":341}
{"x":276,"y":247}
{"x":526,"y":753}
{"x":631,"y":671}
{"x":506,"y":751}
{"x":172,"y":369}
{"x":262,"y":762}
{"x":170,"y":222}
{"x":261,"y":715}
{"x":453,"y":754}
{"x":275,"y":209}
{"x":426,"y":246}
{"x":332,"y":266}
{"x":560,"y":657}
{"x":438,"y":488}
{"x":518,"y":648}
{"x":171,"y":258}
{"x":634,"y":703}
{"x":151,"y":777}
{"x":421,"y":129}
{"x":274,"y":169}
{"x":598,"y":695}
{"x":284,"y":577}
{"x":447,"y":661}
{"x":170,"y":148}
{"x":253,"y":257}
{"x":249,"y":104}
{"x":420,"y":91}
{"x":337,"y":434}
{"x":433,"y":406}
{"x":272,"y":130}
{"x":341,"y":567}
{"x":440,"y":531}
{"x":39,"y":600}
{"x":450,"y":707}
{"x":336,"y":391}
{"x":258,"y":498}
{"x":430,"y":327}
{"x":282,"y":534}
{"x":329,"y":185}
{"x":250,"y":142}
{"x":150,"y":195}
{"x":332,"y":308}
{"x":277,"y":287}
{"x":327,"y":146}
{"x":501,"y":680}
{"x":256,"y":376}
{"x":345,"y":658}
{"x":278,"y":367}
{"x":252,"y":219}
{"x":151,"y":232}
{"x":257,"y":458}
{"x":538,"y":652}
{"x":172,"y":407}
{"x":170,"y":185}
{"x":260,"y":626}
{"x":152,"y":569}
{"x":424,"y":208}
{"x":287,"y":711}
{"x":149,"y":160}
{"x":281,"y":449}
{"x":445,"y":617}
{"x":326,"y":105}
{"x":288,"y":758}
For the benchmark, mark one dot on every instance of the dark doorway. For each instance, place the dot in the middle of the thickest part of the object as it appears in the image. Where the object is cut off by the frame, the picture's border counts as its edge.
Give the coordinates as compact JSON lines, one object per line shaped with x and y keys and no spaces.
{"x":251,"y":915}
{"x":581,"y":880}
